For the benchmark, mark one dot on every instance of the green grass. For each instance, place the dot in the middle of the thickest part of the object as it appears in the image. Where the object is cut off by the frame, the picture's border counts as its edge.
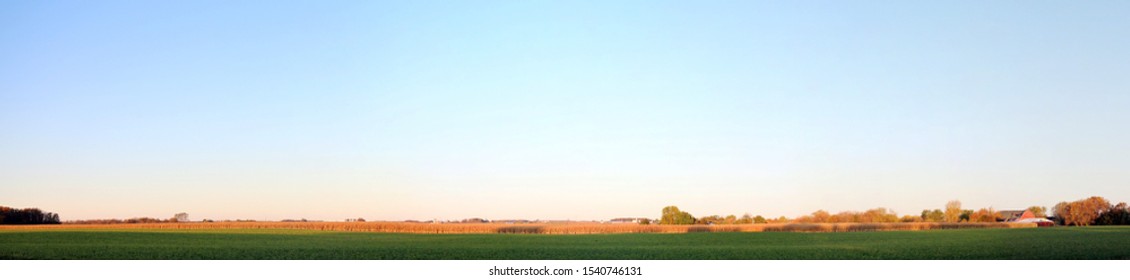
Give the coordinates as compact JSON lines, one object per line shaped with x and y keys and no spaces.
{"x":1029,"y":243}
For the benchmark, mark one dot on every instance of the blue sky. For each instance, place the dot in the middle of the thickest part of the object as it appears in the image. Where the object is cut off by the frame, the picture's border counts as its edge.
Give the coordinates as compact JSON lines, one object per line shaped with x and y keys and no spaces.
{"x":558,"y":110}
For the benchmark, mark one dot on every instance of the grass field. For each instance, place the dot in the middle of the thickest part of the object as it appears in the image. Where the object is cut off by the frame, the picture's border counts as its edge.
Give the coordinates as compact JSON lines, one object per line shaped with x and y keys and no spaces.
{"x":1020,"y":243}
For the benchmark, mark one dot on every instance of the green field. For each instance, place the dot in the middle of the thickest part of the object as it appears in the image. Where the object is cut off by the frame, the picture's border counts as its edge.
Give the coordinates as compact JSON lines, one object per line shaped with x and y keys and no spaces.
{"x":1028,"y":243}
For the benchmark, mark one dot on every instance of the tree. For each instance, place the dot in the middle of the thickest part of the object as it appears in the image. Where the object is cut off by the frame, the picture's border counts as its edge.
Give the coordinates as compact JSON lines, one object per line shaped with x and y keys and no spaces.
{"x":645,"y":221}
{"x":984,"y":216}
{"x":745,"y":219}
{"x":1090,"y":209}
{"x":806,"y":219}
{"x":1116,"y":215}
{"x":1094,"y":207}
{"x":879,"y":215}
{"x":848,"y":217}
{"x":180,"y":217}
{"x":761,"y":220}
{"x":935,"y":216}
{"x":10,"y":215}
{"x":1060,"y":212}
{"x":953,"y":211}
{"x":673,"y":216}
{"x":709,"y":220}
{"x":965,"y":215}
{"x":1082,"y":212}
{"x":820,"y":216}
{"x":781,"y":220}
{"x":670,"y":215}
{"x":1039,"y":211}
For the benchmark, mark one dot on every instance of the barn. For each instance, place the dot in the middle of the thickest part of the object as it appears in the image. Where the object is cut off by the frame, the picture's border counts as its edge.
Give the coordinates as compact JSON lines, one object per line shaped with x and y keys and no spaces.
{"x":1024,"y":216}
{"x":1016,"y":215}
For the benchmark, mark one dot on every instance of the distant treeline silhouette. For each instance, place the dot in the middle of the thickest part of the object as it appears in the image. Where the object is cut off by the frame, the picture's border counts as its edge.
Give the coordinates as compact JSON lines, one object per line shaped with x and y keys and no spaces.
{"x":26,"y":216}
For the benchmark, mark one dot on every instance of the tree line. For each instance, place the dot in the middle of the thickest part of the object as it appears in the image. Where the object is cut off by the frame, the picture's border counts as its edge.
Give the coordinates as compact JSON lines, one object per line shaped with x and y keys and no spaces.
{"x":1094,"y":210}
{"x":953,"y":213}
{"x":26,"y":216}
{"x":673,"y":216}
{"x":1090,"y":211}
{"x":179,"y":217}
{"x":139,"y":220}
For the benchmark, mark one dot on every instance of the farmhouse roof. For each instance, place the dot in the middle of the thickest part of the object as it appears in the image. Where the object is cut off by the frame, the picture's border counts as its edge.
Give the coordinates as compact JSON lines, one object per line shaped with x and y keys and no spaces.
{"x":1013,"y":215}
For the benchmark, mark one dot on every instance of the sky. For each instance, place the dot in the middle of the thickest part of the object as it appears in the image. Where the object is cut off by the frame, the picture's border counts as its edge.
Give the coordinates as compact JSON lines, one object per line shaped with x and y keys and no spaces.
{"x":582,"y":110}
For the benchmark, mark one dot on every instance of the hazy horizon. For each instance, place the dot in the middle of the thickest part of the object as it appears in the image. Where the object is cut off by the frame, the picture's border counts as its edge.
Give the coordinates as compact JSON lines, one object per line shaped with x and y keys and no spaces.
{"x":584,"y":110}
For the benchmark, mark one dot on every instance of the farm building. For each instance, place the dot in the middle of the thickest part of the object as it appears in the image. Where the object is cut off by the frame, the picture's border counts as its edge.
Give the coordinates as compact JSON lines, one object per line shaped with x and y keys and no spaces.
{"x":514,"y":221}
{"x":1024,"y":216}
{"x":1041,"y":222}
{"x":1016,"y":215}
{"x":627,"y":220}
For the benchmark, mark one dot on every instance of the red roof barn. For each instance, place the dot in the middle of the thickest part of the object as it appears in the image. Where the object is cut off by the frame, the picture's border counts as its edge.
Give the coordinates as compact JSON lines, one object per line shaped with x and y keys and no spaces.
{"x":1016,"y":215}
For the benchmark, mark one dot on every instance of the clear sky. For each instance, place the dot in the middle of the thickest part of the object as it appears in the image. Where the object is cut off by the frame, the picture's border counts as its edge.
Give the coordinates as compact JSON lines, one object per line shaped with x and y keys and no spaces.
{"x":558,"y":109}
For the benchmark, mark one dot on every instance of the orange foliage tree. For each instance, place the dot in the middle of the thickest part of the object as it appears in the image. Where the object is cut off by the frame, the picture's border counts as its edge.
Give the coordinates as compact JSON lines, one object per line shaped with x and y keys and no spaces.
{"x":1081,"y":212}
